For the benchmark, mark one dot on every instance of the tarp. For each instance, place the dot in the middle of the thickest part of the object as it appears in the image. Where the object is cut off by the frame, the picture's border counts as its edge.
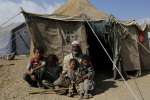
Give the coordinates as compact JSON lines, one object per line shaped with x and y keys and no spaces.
{"x":12,"y":41}
{"x":78,"y":8}
{"x":129,"y":51}
{"x":22,"y":40}
{"x":55,"y":36}
{"x":75,"y":10}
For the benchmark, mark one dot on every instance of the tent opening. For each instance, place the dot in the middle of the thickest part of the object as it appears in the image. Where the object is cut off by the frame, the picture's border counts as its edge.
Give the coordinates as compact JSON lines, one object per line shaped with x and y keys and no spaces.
{"x":100,"y":60}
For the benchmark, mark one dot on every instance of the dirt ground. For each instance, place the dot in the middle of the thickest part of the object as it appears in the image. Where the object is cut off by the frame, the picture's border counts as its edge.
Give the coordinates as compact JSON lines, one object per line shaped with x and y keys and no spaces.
{"x":12,"y":87}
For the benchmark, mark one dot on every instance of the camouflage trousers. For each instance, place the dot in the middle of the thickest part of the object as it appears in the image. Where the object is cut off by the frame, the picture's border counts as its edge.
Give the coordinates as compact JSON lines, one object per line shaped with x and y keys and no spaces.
{"x":73,"y":88}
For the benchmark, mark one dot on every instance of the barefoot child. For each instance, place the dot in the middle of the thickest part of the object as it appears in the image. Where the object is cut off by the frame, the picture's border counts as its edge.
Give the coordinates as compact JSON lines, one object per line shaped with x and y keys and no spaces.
{"x":68,"y":78}
{"x":85,"y":75}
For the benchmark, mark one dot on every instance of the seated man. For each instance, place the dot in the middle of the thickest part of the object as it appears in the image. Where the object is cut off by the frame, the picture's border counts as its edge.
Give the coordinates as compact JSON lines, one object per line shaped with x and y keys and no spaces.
{"x":33,"y":69}
{"x":76,"y":53}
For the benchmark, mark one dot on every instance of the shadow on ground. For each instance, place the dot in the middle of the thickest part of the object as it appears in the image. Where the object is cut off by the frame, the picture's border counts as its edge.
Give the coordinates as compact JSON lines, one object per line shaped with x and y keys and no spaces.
{"x":144,"y":73}
{"x":103,"y":82}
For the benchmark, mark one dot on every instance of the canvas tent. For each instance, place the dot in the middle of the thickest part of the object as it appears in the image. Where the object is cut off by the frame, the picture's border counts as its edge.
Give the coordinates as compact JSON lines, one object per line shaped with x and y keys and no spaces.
{"x":54,"y":32}
{"x":10,"y":41}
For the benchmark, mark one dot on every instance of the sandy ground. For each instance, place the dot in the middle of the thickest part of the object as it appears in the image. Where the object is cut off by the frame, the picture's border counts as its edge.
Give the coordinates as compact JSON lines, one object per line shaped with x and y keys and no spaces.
{"x":12,"y":87}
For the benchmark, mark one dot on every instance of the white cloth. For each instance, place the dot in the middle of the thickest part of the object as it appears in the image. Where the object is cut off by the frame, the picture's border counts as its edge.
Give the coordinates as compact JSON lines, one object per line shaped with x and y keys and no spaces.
{"x":75,"y":43}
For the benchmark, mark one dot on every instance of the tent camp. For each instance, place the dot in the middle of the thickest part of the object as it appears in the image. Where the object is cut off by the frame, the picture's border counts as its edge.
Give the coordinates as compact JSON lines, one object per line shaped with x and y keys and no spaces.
{"x":79,"y":20}
{"x":11,"y":42}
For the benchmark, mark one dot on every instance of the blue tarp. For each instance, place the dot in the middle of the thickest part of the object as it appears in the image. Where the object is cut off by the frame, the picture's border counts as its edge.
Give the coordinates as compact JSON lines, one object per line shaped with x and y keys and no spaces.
{"x":7,"y":39}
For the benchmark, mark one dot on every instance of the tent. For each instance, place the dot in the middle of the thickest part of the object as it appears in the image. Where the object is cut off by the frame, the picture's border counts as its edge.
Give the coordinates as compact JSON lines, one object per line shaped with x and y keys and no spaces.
{"x":10,"y":42}
{"x":75,"y":21}
{"x":145,"y":55}
{"x":22,"y":40}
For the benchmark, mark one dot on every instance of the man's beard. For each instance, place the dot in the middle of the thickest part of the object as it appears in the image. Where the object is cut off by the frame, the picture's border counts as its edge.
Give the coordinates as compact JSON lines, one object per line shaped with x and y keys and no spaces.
{"x":75,"y":53}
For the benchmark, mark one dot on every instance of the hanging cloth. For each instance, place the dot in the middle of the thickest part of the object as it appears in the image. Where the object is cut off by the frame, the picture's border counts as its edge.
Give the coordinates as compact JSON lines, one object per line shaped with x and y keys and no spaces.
{"x":141,"y":36}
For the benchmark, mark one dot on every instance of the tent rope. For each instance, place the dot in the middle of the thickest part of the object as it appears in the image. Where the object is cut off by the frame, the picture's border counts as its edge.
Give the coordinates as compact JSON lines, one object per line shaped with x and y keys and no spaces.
{"x":11,"y":18}
{"x":138,"y":89}
{"x":127,"y":85}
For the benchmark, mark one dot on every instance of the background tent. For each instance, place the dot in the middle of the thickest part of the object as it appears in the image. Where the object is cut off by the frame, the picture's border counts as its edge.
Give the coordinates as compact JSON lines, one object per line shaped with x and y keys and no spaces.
{"x":6,"y":40}
{"x":56,"y":31}
{"x":145,"y":55}
{"x":22,"y":40}
{"x":10,"y":43}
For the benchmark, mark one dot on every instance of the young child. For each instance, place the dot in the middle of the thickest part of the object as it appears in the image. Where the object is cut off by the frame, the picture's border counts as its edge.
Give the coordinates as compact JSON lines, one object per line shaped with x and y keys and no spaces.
{"x":51,"y":71}
{"x":33,"y":68}
{"x":72,"y":75}
{"x":67,"y":79}
{"x":85,"y":78}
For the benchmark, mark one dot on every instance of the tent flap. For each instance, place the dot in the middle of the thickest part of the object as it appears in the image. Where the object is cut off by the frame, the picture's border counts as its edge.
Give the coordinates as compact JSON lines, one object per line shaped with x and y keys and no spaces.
{"x":55,"y":37}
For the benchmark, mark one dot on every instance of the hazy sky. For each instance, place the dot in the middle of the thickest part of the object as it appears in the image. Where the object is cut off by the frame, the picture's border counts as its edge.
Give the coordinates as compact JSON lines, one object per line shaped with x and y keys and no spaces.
{"x":123,"y":9}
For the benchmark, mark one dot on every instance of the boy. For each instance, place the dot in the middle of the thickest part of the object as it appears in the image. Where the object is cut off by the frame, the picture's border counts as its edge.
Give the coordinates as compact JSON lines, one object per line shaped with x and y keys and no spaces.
{"x":85,"y":78}
{"x":51,"y":71}
{"x":33,"y":69}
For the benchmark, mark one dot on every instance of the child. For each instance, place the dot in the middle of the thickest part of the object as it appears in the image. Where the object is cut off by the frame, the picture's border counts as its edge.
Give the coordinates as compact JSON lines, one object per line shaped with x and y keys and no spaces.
{"x":51,"y":71}
{"x":33,"y":68}
{"x":72,"y":74}
{"x":68,"y":79}
{"x":85,"y":78}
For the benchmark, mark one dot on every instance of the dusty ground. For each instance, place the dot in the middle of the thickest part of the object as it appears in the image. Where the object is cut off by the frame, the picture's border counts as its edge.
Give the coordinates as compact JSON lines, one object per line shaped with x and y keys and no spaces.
{"x":12,"y":87}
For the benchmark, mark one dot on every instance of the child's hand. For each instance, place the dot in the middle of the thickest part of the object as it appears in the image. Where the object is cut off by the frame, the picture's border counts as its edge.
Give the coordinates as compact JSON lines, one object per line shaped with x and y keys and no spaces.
{"x":85,"y":77}
{"x":33,"y":77}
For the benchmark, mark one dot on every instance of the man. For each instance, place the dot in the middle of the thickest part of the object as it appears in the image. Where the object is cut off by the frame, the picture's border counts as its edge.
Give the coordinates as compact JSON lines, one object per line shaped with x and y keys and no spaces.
{"x":76,"y":53}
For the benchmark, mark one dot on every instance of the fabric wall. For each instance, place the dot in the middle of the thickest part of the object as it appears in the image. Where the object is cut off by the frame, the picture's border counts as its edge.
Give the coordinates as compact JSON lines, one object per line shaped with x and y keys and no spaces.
{"x":55,"y":37}
{"x":22,"y":41}
{"x":129,"y":50}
